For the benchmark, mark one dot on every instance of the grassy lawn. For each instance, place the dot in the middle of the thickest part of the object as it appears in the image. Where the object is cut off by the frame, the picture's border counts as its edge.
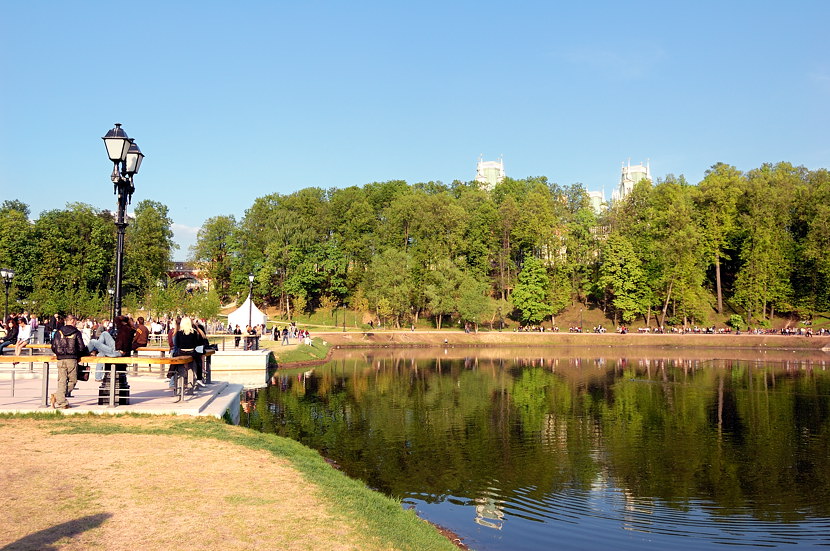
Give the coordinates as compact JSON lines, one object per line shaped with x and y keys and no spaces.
{"x":158,"y":483}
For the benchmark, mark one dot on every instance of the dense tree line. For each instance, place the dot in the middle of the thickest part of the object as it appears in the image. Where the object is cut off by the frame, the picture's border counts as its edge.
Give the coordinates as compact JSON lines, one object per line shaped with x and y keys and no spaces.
{"x":64,"y":261}
{"x":671,"y":252}
{"x":752,"y":244}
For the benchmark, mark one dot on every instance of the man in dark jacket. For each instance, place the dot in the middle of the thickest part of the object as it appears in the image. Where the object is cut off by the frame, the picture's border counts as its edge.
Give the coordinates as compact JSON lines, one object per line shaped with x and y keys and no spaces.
{"x":140,"y":336}
{"x":68,"y":346}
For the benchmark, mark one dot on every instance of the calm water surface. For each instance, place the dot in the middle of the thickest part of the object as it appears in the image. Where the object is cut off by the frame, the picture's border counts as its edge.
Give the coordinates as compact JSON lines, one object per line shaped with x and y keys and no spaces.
{"x":534,"y":449}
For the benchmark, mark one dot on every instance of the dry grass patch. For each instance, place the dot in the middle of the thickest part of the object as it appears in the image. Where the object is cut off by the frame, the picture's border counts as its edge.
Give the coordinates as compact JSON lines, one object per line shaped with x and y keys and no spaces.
{"x":65,"y":490}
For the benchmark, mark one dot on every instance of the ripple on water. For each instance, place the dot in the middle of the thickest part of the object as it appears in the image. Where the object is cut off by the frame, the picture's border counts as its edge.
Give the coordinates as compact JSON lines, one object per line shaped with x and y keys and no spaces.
{"x":575,"y":517}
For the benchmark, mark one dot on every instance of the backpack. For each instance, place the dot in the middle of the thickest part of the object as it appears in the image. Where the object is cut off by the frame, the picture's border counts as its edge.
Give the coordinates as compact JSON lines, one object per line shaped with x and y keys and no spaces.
{"x":65,"y":346}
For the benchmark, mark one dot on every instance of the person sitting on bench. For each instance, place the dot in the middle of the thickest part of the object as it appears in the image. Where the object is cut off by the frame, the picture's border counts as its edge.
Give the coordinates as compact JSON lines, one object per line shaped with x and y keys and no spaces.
{"x":106,"y":346}
{"x":11,"y":333}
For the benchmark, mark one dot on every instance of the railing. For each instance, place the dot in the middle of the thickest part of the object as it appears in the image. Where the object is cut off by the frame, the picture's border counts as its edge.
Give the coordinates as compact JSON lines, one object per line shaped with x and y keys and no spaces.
{"x":134,"y":361}
{"x":14,"y":370}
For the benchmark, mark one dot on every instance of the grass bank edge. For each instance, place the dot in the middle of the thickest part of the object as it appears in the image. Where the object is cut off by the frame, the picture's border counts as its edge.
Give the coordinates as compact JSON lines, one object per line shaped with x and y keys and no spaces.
{"x":301,"y":354}
{"x":384,"y":520}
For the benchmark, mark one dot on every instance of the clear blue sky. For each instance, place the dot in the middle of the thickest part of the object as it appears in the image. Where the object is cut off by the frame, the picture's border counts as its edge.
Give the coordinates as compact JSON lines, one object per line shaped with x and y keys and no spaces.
{"x":233,"y":100}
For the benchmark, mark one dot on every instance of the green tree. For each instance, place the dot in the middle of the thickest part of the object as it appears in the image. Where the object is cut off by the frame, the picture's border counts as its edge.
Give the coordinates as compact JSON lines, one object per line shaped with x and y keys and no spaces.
{"x":148,"y":247}
{"x":474,"y":302}
{"x":17,"y":247}
{"x":443,"y":289}
{"x":766,"y":251}
{"x":388,"y":285}
{"x":717,"y":205}
{"x":531,"y":292}
{"x":621,"y":279}
{"x":75,"y":252}
{"x":214,"y":250}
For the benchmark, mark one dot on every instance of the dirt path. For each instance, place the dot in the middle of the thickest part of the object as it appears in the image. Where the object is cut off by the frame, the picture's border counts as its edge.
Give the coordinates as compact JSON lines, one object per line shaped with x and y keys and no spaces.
{"x":62,"y":490}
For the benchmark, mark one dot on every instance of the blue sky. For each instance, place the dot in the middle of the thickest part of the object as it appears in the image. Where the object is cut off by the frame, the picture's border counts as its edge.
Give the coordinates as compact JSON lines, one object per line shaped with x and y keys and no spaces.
{"x":230,"y":101}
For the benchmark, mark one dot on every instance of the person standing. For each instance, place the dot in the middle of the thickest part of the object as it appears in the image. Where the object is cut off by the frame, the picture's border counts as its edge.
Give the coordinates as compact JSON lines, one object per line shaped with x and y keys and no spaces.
{"x":190,"y":341}
{"x":124,"y":335}
{"x":68,"y":346}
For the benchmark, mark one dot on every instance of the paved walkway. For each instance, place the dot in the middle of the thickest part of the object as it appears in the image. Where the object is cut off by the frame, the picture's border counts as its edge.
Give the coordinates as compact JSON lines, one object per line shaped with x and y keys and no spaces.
{"x":149,"y":393}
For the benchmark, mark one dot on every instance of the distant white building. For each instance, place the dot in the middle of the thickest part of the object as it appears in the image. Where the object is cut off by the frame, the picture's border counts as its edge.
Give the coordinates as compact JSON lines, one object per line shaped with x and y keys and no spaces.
{"x":489,"y":173}
{"x":631,"y":175}
{"x":597,"y":199}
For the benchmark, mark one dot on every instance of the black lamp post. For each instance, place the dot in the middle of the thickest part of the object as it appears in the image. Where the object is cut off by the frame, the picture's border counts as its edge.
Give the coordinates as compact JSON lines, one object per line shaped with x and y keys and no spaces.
{"x":250,"y":298}
{"x":7,"y":276}
{"x":126,"y":158}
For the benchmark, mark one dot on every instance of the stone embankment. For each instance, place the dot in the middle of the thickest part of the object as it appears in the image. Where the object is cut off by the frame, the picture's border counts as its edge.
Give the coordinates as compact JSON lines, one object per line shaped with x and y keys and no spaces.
{"x":383,"y":338}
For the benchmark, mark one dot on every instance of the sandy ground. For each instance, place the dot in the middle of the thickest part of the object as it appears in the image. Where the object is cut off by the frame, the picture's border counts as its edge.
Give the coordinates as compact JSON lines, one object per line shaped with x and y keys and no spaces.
{"x":153,"y":492}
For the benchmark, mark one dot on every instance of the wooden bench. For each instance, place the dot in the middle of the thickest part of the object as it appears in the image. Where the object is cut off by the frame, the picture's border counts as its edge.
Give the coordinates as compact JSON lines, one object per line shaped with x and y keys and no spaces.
{"x":136,"y":361}
{"x":150,"y":361}
{"x":165,"y":350}
{"x":31,"y":348}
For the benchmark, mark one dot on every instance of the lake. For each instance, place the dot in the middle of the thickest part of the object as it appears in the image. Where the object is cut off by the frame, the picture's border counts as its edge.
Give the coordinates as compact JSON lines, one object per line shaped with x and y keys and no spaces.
{"x":577,"y":448}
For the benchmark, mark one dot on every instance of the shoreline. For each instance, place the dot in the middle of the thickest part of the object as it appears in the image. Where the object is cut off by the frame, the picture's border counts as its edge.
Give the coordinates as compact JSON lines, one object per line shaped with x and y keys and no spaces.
{"x":488,"y":339}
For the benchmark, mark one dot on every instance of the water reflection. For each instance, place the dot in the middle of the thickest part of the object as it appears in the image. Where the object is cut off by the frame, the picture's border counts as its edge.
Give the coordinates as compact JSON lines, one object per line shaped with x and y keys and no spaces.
{"x":577,"y":447}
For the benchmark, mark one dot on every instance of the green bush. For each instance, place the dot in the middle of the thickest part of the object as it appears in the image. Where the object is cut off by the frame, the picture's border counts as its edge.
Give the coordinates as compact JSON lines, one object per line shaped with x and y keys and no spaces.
{"x":736,"y":322}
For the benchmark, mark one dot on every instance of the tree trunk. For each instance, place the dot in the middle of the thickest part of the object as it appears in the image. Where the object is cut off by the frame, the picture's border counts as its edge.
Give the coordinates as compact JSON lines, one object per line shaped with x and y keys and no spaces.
{"x":439,"y":321}
{"x":666,"y":305}
{"x":718,"y":284}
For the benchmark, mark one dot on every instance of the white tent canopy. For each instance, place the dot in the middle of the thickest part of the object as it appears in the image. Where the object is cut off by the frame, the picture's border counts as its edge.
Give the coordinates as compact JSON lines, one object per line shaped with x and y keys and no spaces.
{"x":240,"y":315}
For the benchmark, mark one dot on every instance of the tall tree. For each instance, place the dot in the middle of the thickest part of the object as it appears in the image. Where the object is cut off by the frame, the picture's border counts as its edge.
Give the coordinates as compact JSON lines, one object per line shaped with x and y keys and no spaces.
{"x":148,"y":247}
{"x":621,"y":278}
{"x":214,"y":250}
{"x":75,"y":252}
{"x":531,"y":292}
{"x":763,"y":281}
{"x":388,"y":285}
{"x":16,"y":246}
{"x":717,"y":205}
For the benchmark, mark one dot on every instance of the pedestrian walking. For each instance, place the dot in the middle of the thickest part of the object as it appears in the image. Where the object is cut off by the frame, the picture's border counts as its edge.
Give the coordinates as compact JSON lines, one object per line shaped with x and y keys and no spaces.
{"x":68,"y":346}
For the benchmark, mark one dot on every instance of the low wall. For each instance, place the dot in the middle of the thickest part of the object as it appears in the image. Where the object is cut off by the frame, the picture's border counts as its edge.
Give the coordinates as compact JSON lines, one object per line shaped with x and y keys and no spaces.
{"x":248,"y":368}
{"x":495,"y":338}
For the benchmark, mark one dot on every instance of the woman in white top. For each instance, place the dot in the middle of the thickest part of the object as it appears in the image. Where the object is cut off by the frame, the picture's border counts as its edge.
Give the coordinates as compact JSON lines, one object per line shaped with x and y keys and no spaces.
{"x":24,"y":331}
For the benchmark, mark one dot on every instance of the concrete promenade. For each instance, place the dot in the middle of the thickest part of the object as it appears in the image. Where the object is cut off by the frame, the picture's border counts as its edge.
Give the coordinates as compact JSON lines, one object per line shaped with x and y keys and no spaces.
{"x":149,"y":394}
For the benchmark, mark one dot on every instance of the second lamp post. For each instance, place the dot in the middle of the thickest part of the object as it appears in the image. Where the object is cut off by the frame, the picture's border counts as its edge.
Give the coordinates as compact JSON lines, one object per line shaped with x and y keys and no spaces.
{"x":7,"y":276}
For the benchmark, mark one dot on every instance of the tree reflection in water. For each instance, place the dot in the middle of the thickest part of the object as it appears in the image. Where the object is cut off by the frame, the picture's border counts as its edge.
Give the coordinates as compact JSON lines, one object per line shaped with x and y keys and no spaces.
{"x":563,"y":436}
